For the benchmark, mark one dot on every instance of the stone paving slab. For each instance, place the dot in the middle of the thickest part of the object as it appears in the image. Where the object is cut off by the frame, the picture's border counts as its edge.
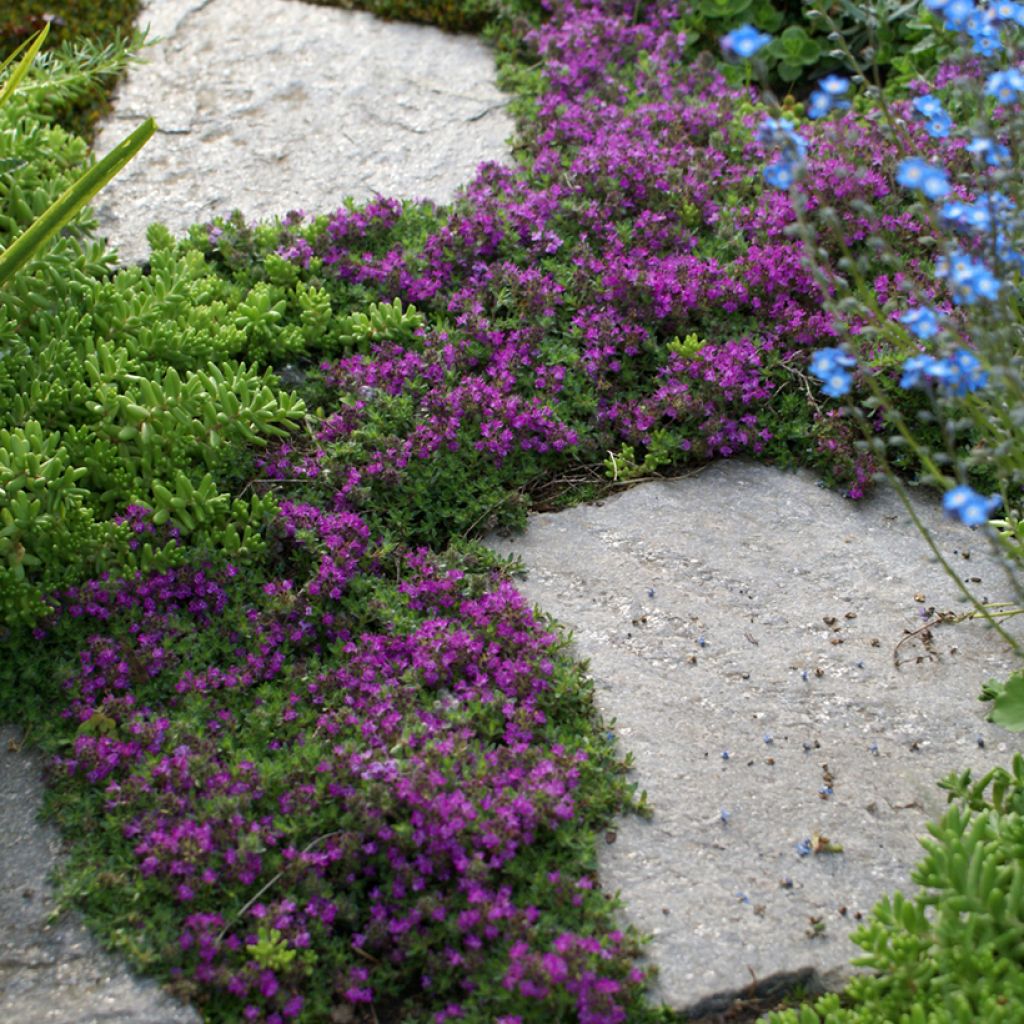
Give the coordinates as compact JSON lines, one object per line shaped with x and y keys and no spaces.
{"x":53,"y":971}
{"x":747,"y":612}
{"x":294,"y":107}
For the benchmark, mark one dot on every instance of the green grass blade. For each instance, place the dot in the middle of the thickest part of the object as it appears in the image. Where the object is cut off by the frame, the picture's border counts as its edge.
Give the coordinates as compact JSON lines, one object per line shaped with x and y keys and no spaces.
{"x":40,"y":231}
{"x":24,"y":64}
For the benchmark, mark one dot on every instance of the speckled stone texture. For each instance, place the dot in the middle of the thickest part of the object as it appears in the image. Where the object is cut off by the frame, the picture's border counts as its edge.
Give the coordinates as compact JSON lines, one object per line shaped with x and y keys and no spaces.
{"x":741,"y":627}
{"x":294,"y":107}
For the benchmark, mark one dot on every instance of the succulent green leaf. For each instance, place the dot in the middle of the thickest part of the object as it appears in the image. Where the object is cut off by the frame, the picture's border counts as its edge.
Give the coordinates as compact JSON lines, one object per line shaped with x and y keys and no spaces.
{"x":1008,"y":706}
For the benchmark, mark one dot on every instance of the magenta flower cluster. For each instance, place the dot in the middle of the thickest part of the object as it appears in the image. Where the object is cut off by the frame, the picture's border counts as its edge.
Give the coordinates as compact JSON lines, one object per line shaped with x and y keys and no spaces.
{"x":371,"y":788}
{"x":637,"y":214}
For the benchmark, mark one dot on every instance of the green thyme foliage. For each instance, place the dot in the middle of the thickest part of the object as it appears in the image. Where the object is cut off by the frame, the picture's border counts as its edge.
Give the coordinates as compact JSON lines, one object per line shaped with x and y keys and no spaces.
{"x":954,"y":952}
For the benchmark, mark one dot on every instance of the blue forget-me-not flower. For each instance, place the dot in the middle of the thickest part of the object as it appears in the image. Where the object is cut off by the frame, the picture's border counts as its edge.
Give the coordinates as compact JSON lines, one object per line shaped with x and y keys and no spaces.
{"x":960,"y":374}
{"x":971,"y":508}
{"x":969,"y":279}
{"x":781,"y":133}
{"x":922,"y":322}
{"x":1005,"y":85}
{"x":915,"y":369}
{"x":1007,"y":11}
{"x":928,"y":105}
{"x":831,"y":365}
{"x":957,"y":13}
{"x":745,"y":41}
{"x":828,"y":96}
{"x":995,"y":153}
{"x":938,"y":122}
{"x":922,"y":176}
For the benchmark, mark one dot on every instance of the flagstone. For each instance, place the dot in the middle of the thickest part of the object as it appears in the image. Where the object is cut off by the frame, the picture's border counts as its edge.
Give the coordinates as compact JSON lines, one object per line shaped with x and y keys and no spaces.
{"x":294,"y":109}
{"x":763,"y":647}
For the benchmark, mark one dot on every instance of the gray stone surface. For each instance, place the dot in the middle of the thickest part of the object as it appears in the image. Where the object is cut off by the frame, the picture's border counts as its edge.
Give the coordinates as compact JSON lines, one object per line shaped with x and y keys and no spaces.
{"x":743,"y":603}
{"x":53,"y":971}
{"x":282,"y":105}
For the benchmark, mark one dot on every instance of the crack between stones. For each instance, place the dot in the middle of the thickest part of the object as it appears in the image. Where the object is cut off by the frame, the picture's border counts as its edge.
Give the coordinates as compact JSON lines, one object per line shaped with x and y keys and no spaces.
{"x":190,"y":13}
{"x":487,"y":110}
{"x":773,"y":986}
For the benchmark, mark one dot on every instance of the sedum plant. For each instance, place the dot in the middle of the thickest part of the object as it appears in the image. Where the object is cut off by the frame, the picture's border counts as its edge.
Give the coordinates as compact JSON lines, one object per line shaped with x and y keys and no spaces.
{"x":117,"y":391}
{"x":39,"y":495}
{"x":381,"y":322}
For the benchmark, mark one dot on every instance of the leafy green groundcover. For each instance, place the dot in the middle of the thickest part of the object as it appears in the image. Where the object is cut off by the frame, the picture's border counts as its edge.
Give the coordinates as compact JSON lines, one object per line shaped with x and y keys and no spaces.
{"x":300,"y":710}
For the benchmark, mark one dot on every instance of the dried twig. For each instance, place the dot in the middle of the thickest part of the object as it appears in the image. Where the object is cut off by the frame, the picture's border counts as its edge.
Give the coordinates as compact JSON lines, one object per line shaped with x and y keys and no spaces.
{"x":938,"y":620}
{"x":273,"y":881}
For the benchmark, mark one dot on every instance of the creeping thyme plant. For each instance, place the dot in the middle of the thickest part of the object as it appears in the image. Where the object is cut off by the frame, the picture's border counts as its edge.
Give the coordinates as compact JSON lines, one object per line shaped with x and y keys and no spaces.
{"x":329,"y":760}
